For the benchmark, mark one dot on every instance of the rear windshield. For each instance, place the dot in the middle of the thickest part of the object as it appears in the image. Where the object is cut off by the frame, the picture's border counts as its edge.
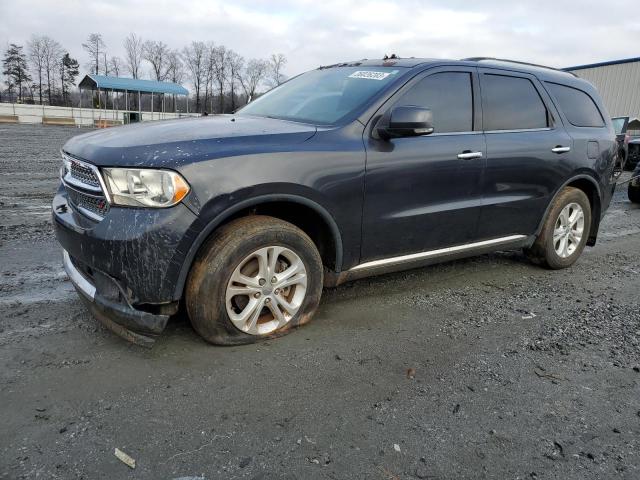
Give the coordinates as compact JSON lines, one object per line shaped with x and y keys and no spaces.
{"x":579,"y":108}
{"x":323,"y":96}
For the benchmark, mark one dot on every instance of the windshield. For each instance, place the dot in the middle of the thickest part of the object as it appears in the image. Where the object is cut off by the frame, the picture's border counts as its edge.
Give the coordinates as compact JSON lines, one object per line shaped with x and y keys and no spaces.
{"x":322,"y":96}
{"x":618,"y":124}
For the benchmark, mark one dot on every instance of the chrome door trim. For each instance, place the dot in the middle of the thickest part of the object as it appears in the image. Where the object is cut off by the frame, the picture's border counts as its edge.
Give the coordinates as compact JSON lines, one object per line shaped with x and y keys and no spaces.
{"x":435,"y":253}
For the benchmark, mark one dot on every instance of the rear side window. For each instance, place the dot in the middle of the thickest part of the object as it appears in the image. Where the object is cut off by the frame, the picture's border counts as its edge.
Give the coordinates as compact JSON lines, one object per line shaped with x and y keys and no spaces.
{"x":579,"y":108}
{"x":450,"y":98}
{"x":511,"y":103}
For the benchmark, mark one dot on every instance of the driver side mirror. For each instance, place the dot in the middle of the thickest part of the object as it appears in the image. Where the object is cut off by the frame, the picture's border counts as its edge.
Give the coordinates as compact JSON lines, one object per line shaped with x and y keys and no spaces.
{"x":406,"y":121}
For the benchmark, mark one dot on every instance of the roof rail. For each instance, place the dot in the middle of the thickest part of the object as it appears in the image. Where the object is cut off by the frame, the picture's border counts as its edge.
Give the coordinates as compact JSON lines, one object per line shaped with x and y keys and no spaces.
{"x":479,"y":59}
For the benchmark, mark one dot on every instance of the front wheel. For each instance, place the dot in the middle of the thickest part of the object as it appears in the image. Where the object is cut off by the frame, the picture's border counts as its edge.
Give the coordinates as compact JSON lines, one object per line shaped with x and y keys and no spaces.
{"x":256,"y":278}
{"x":565,"y":231}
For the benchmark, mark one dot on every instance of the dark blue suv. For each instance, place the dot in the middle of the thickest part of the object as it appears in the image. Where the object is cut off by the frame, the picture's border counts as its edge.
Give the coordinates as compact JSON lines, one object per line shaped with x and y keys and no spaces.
{"x":346,"y":171}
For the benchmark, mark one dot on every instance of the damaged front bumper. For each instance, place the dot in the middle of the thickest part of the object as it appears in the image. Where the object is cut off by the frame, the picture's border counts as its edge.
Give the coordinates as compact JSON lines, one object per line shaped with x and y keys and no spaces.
{"x":125,"y":266}
{"x":112,"y":308}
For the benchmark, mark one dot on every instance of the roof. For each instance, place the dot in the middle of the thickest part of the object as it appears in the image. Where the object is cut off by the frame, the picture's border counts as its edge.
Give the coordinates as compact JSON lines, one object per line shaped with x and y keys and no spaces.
{"x":603,"y":64}
{"x":516,"y":64}
{"x":381,"y":62}
{"x":131,"y":84}
{"x":411,"y":62}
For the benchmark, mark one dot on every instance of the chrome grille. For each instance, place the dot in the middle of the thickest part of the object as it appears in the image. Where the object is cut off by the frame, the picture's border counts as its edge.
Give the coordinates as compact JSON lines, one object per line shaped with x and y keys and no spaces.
{"x":91,"y":205}
{"x":84,"y":174}
{"x":84,"y":187}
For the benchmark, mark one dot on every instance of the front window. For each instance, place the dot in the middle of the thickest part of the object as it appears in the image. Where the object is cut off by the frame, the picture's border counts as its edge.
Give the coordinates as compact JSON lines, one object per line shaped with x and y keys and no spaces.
{"x":323,"y":96}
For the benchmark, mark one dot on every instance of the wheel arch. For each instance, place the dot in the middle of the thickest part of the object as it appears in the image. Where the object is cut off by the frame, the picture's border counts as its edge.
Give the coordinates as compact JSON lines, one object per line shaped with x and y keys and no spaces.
{"x":306,"y":214}
{"x":590,"y":187}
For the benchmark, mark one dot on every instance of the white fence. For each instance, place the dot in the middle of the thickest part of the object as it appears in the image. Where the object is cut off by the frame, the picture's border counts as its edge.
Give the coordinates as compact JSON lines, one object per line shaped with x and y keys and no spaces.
{"x":81,"y":117}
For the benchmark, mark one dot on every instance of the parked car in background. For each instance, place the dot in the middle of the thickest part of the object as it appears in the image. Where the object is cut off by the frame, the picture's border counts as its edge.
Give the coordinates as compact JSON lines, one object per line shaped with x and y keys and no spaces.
{"x":346,"y":171}
{"x":634,"y":185}
{"x":622,"y":138}
{"x":633,"y":155}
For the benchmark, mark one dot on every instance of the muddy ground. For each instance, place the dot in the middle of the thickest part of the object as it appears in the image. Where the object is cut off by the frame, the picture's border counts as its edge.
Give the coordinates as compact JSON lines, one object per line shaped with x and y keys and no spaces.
{"x":519,"y":372}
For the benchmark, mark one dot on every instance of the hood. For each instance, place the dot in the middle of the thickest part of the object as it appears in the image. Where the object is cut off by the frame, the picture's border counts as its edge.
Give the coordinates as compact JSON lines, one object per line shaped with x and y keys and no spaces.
{"x":173,"y":143}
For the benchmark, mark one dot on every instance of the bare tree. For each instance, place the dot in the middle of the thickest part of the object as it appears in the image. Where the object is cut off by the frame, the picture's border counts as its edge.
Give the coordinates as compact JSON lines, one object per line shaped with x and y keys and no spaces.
{"x":106,"y":67}
{"x":37,"y":58}
{"x":115,"y":66}
{"x":251,"y":77}
{"x":220,"y":62}
{"x":52,"y":57}
{"x":276,"y":65}
{"x":133,"y":49}
{"x":156,"y":54}
{"x":209,"y":75}
{"x":175,"y":70}
{"x":195,"y":59}
{"x":175,"y":67}
{"x":95,"y":47}
{"x":236,"y":64}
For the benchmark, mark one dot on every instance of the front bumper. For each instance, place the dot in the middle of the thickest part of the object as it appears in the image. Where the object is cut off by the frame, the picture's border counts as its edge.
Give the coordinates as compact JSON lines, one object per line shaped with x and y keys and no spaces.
{"x":112,"y":308}
{"x":125,"y":267}
{"x":143,"y":249}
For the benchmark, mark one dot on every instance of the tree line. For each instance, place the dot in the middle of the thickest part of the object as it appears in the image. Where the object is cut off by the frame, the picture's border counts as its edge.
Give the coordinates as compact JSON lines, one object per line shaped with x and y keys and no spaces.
{"x":45,"y":72}
{"x":221,"y":79}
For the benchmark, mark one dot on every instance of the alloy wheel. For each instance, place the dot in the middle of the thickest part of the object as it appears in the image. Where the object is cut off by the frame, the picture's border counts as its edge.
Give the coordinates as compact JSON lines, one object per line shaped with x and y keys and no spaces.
{"x":266,"y":290}
{"x":568,"y":230}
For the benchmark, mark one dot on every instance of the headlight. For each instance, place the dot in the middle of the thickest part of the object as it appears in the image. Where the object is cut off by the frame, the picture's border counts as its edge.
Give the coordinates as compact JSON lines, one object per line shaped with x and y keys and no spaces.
{"x":138,"y":187}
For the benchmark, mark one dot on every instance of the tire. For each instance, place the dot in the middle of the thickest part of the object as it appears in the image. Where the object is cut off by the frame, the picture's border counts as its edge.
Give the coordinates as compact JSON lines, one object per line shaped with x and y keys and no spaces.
{"x":237,"y":252}
{"x":634,"y":193}
{"x":556,"y":254}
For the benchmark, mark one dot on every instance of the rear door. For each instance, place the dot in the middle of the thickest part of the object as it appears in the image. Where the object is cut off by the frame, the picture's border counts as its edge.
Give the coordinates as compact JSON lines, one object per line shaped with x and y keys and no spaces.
{"x":423,"y":193}
{"x":528,"y":153}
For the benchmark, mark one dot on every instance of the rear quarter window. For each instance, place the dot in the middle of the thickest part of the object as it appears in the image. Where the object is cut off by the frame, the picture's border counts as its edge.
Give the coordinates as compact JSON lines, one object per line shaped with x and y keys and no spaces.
{"x":578,"y":107}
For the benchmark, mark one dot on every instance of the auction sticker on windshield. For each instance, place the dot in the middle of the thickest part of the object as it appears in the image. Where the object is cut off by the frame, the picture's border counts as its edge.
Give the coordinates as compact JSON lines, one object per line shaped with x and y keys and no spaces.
{"x":370,"y":75}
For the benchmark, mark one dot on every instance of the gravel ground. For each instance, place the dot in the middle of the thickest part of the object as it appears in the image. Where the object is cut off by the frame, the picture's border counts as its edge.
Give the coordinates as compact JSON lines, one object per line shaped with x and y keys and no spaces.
{"x":482,"y":368}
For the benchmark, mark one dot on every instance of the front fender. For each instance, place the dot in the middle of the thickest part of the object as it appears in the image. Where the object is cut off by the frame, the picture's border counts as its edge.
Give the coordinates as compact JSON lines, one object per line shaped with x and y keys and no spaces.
{"x":216,"y":213}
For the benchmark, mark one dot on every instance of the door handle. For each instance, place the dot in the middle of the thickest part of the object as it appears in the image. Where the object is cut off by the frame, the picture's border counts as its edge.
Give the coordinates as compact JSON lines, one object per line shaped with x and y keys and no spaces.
{"x":561,"y":149}
{"x":467,"y":155}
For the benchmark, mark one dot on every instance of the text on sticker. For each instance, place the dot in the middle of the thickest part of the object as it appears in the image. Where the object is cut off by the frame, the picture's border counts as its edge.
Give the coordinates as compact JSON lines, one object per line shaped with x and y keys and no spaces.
{"x":369,"y":75}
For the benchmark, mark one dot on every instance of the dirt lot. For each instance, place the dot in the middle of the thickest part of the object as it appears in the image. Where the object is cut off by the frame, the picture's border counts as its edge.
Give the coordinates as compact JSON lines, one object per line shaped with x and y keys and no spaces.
{"x":519,"y":372}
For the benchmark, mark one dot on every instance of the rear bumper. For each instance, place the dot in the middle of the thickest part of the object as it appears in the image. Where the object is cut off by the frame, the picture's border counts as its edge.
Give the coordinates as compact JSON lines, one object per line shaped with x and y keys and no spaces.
{"x":112,"y":308}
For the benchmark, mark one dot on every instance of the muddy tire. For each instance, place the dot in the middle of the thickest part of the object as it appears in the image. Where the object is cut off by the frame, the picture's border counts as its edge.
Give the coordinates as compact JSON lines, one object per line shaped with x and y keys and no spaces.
{"x":258,"y":277}
{"x":565,"y":231}
{"x":634,"y":193}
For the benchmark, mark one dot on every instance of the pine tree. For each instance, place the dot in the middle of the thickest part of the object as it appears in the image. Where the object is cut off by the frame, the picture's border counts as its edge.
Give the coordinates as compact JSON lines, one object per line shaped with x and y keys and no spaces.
{"x":69,"y":69}
{"x":14,"y":67}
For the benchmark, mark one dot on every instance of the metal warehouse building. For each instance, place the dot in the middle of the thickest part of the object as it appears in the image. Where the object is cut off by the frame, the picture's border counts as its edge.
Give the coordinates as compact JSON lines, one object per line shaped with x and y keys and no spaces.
{"x":617,"y":81}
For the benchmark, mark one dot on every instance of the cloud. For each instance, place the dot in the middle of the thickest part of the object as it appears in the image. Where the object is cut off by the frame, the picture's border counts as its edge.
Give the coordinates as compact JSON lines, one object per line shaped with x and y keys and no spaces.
{"x":311,"y":33}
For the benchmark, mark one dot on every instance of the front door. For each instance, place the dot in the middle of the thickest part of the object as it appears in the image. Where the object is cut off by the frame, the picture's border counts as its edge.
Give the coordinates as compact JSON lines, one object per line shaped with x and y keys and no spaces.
{"x":423,"y":193}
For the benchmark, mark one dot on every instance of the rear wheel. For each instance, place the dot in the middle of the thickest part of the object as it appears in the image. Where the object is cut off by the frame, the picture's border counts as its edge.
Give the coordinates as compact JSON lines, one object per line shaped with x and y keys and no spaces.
{"x":257,"y":278}
{"x":565,"y":231}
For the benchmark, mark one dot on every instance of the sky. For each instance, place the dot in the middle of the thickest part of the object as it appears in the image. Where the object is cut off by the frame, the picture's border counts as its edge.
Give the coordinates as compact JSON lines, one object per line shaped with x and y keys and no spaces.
{"x":310,"y":33}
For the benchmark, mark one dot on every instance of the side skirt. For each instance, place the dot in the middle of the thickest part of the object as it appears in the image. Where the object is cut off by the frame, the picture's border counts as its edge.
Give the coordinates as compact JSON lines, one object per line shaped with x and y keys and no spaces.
{"x":429,"y":257}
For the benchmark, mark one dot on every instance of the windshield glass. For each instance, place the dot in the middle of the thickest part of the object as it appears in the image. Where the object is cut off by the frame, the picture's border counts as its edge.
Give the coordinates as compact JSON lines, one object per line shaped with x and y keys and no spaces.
{"x":618,"y":124}
{"x":322,"y":96}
